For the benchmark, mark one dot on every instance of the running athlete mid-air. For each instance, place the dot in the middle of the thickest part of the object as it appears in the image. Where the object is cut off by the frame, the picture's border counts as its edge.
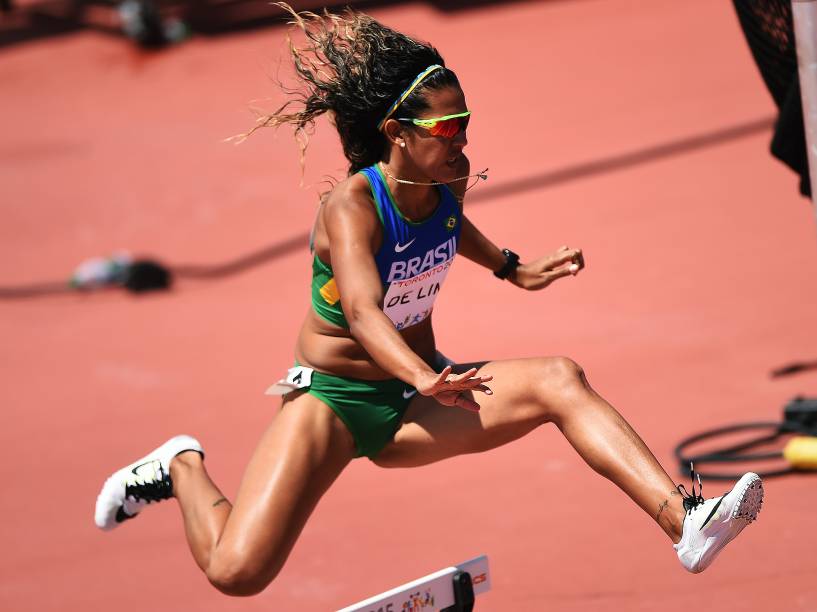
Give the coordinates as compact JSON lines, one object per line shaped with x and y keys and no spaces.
{"x":368,"y":380}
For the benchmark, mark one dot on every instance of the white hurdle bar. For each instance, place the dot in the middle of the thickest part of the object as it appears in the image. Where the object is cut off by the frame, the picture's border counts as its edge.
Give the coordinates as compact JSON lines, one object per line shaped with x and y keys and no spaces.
{"x":449,"y":590}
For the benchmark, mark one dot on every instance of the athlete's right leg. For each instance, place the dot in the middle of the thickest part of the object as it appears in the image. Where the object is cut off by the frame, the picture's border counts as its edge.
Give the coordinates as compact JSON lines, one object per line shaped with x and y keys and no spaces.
{"x":242,"y":547}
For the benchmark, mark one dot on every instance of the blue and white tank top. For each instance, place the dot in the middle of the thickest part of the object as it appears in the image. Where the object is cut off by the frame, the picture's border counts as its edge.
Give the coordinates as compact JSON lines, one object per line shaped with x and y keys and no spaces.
{"x":414,"y":258}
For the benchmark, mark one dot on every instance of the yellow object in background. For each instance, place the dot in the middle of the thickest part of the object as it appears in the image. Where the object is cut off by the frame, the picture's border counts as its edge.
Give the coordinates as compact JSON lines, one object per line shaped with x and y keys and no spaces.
{"x":801,"y":452}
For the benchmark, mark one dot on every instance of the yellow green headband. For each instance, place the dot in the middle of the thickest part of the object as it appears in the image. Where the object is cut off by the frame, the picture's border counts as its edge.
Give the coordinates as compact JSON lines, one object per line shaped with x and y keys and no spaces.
{"x":407,"y":93}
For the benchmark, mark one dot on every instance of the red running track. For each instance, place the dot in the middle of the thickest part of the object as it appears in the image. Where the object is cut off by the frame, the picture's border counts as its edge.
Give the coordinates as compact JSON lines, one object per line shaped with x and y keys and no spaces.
{"x":700,"y":279}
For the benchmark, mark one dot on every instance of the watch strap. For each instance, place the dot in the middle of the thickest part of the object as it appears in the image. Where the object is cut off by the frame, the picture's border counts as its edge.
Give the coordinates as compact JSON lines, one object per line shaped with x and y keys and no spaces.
{"x":511,"y":264}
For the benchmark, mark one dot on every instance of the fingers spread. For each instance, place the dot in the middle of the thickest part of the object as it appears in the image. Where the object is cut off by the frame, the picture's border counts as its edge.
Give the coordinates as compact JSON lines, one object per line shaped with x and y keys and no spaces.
{"x":456,"y":389}
{"x":469,"y":380}
{"x":464,"y":375}
{"x":442,"y":376}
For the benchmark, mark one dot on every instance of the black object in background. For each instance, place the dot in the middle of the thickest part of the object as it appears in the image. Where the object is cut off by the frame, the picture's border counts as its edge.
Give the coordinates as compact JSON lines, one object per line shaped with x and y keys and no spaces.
{"x":769,"y":30}
{"x":145,"y":275}
{"x":799,"y":418}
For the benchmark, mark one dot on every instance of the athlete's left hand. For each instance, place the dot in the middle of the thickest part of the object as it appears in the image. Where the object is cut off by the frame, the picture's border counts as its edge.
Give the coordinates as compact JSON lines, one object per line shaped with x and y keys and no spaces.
{"x":539,"y":273}
{"x":455,"y":389}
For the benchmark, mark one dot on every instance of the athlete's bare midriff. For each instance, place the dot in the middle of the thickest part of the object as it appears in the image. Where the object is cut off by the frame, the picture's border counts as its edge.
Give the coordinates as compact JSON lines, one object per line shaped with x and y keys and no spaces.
{"x":332,"y":349}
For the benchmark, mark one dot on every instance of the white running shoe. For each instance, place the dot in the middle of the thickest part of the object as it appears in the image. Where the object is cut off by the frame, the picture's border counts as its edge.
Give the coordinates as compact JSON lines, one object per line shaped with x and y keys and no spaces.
{"x":711,"y":524}
{"x":144,"y":481}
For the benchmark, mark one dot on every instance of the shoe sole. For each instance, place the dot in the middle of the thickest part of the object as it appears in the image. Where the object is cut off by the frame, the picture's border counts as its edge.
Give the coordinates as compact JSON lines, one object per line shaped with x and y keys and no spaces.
{"x":750,"y":500}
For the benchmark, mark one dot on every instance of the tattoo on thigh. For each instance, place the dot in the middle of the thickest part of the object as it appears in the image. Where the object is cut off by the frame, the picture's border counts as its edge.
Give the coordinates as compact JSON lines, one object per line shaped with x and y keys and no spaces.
{"x":220,"y":501}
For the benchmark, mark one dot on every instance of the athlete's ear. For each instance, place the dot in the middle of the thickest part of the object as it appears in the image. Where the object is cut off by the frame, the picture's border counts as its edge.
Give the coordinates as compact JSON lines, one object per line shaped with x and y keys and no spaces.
{"x":393,"y":130}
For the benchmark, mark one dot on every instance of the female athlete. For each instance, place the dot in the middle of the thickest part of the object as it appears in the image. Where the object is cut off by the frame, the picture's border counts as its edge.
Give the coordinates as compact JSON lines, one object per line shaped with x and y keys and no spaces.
{"x":368,"y":380}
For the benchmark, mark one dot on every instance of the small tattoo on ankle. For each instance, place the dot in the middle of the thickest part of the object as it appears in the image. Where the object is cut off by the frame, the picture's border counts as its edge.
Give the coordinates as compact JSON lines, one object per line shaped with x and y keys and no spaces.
{"x":220,"y":501}
{"x":664,"y":505}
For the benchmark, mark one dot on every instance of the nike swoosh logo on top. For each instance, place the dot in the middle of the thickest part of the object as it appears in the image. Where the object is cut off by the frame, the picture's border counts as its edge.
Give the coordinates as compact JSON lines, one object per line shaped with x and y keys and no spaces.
{"x":135,"y":470}
{"x":409,"y":394}
{"x":711,"y":514}
{"x":399,"y":248}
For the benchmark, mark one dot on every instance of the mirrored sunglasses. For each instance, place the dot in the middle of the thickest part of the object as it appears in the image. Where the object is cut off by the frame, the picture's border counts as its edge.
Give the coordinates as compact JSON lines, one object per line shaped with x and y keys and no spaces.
{"x":447,"y":126}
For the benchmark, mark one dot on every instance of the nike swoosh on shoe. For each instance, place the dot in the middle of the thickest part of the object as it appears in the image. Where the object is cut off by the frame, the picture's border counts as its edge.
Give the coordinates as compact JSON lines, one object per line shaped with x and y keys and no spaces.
{"x":135,"y":470}
{"x":711,"y":514}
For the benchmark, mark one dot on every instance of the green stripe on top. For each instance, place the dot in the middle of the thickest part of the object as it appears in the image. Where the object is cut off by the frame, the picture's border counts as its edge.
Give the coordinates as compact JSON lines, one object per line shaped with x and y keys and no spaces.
{"x":325,"y":296}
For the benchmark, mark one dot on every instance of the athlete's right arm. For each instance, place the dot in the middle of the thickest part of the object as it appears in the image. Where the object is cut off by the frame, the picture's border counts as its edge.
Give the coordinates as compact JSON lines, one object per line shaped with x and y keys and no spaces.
{"x":351,"y":224}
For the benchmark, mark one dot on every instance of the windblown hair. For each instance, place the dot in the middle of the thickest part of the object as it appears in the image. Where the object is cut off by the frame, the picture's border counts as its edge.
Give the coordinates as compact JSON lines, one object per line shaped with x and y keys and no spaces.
{"x":354,"y":68}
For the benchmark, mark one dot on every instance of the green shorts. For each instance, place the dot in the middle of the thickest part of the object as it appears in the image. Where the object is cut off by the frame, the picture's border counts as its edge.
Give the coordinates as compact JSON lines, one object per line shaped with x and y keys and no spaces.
{"x":372,"y":410}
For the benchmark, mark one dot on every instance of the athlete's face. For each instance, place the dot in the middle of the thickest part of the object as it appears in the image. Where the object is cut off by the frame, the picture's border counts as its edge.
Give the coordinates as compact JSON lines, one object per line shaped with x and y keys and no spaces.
{"x":437,"y":157}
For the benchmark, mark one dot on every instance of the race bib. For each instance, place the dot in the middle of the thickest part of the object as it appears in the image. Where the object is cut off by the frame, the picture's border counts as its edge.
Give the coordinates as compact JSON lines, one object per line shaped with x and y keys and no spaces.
{"x":411,"y":300}
{"x":298,"y":377}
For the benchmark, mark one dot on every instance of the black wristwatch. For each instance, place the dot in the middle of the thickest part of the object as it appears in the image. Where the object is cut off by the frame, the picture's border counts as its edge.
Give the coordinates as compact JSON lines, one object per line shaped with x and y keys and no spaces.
{"x":511,"y":264}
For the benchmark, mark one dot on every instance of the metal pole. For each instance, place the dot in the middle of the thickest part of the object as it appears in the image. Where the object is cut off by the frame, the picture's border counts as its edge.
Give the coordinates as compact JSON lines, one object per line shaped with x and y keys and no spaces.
{"x":804,"y":13}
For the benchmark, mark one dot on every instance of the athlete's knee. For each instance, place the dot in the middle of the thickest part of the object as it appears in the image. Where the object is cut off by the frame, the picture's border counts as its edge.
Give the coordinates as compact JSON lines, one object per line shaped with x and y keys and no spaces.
{"x":234,"y":576}
{"x":560,"y":380}
{"x":559,"y":375}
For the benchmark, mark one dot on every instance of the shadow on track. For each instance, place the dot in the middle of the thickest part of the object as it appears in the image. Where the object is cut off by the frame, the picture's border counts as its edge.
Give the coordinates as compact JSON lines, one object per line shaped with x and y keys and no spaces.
{"x":534,"y":182}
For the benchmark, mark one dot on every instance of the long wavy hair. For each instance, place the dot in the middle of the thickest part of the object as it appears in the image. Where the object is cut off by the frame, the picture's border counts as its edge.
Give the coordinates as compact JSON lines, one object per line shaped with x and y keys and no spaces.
{"x":354,"y":68}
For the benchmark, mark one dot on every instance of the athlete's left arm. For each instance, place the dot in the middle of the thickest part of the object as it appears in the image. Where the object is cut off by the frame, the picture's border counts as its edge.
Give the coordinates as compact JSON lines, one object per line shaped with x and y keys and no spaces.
{"x":533,"y":275}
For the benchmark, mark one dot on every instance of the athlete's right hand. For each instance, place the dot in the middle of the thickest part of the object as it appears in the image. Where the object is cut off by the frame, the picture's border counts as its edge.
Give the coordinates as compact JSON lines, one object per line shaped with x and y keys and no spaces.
{"x":455,"y":389}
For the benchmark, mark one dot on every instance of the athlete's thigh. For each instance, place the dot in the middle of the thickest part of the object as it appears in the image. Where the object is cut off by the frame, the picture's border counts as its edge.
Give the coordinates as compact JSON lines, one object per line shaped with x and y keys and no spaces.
{"x":431,"y":431}
{"x":299,"y":456}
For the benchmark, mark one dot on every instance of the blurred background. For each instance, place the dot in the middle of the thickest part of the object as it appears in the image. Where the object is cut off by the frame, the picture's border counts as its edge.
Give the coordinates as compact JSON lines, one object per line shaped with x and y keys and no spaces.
{"x":638,"y":131}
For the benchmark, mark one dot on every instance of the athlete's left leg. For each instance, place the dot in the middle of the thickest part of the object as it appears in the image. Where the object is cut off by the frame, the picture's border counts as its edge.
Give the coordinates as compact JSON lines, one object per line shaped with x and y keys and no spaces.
{"x":528,"y":393}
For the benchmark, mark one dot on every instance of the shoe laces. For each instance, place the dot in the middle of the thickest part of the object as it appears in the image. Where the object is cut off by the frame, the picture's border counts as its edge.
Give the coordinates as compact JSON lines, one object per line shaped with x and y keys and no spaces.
{"x":150,"y":490}
{"x":695,"y":499}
